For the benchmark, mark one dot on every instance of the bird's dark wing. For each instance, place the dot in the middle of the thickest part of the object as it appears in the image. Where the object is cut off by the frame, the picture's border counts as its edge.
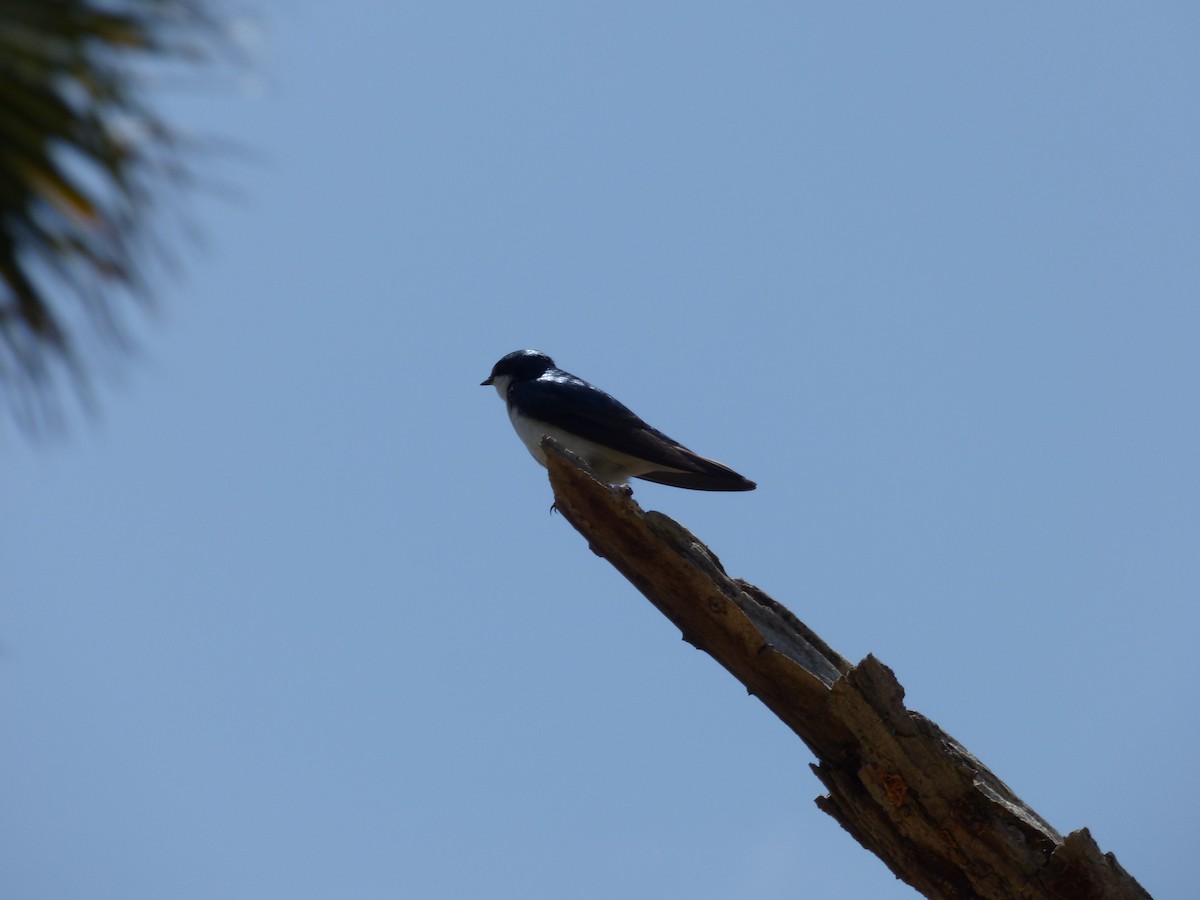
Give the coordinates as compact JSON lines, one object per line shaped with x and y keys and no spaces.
{"x":576,"y":406}
{"x":721,"y":478}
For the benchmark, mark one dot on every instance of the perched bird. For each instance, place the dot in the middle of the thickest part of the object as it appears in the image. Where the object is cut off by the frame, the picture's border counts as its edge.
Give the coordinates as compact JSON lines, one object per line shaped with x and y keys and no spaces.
{"x":543,"y":400}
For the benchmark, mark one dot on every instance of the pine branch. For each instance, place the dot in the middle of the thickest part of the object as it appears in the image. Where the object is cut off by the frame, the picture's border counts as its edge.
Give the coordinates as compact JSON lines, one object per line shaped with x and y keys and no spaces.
{"x":902,"y":787}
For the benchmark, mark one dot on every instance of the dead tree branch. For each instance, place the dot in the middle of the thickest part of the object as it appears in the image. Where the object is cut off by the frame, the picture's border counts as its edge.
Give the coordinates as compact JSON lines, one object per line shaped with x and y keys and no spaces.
{"x":905,"y":790}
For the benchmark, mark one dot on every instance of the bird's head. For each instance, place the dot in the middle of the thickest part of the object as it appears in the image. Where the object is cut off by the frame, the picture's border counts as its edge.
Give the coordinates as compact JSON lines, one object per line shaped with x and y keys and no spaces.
{"x":520,"y":365}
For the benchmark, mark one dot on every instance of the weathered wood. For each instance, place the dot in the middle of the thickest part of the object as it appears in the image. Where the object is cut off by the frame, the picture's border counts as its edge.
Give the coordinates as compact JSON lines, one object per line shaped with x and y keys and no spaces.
{"x":902,"y":787}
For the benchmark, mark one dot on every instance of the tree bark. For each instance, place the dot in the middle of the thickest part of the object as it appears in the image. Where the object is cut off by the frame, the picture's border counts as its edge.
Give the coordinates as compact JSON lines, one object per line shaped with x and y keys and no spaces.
{"x":902,"y":787}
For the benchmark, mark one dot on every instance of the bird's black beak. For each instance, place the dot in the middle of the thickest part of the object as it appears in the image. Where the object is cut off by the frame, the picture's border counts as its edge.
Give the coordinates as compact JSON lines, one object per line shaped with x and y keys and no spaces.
{"x":485,"y":382}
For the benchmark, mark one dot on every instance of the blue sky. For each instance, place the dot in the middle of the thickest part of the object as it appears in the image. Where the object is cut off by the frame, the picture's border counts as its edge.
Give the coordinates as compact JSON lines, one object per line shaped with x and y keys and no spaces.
{"x":291,"y":620}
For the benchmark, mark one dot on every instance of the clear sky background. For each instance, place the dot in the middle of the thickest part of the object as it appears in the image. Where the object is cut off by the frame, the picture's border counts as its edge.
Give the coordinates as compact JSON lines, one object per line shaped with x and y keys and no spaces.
{"x":292,"y":619}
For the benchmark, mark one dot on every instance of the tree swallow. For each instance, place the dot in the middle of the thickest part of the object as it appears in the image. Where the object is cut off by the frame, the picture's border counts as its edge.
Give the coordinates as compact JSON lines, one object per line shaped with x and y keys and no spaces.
{"x":543,"y":400}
